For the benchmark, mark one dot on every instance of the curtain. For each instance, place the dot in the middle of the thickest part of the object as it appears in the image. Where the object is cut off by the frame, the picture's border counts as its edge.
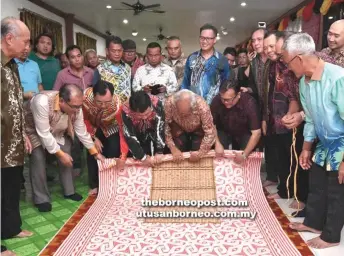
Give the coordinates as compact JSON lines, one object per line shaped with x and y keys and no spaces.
{"x":39,"y":24}
{"x":85,"y":42}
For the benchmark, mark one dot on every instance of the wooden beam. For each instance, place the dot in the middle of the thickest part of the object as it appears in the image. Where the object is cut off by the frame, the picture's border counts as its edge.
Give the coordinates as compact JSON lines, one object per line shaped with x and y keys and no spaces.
{"x":64,"y":15}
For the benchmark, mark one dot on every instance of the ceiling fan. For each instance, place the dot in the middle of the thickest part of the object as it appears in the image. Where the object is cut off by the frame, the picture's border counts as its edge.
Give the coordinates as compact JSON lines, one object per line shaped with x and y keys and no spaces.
{"x":160,"y":36}
{"x":138,"y":8}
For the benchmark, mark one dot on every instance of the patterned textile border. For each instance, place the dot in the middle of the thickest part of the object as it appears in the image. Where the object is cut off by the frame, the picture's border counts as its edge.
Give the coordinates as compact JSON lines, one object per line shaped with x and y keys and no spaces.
{"x":56,"y":242}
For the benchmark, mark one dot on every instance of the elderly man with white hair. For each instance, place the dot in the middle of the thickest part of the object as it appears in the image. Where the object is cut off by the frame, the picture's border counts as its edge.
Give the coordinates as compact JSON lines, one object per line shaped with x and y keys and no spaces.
{"x":189,"y":125}
{"x":322,"y":97}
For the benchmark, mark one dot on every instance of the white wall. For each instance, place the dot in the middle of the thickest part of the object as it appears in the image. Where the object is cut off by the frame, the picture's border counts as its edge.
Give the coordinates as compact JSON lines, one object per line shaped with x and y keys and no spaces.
{"x":100,"y":41}
{"x":10,"y":8}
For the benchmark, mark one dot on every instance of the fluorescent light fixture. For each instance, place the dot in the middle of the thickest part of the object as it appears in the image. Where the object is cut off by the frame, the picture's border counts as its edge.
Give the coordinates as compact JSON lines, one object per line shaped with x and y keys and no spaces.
{"x":243,"y":4}
{"x":109,"y":6}
{"x":144,"y":39}
{"x":134,"y":33}
{"x":125,"y":21}
{"x":330,"y":17}
{"x":232,"y":19}
{"x":218,"y":37}
{"x":224,"y":32}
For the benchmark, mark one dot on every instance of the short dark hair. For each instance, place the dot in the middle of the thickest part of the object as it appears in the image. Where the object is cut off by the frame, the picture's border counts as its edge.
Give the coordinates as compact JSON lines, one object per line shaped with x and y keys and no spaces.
{"x":229,"y":84}
{"x":263,"y":29}
{"x":153,"y":45}
{"x":129,"y":44}
{"x":139,"y":101}
{"x":66,"y":90}
{"x":58,"y":55}
{"x":39,"y":37}
{"x":242,"y":50}
{"x":71,"y":48}
{"x":101,"y":87}
{"x":210,"y":27}
{"x":114,"y":40}
{"x":171,"y":38}
{"x":230,"y":50}
{"x":283,"y":34}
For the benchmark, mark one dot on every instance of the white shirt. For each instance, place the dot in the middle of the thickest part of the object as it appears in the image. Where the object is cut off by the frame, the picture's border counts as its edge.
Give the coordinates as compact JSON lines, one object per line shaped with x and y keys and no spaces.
{"x":161,"y":74}
{"x":51,"y":139}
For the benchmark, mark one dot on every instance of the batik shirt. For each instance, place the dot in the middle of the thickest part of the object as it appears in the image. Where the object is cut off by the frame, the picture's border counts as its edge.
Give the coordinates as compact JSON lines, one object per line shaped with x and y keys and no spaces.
{"x":139,"y":129}
{"x":119,"y":76}
{"x":161,"y":74}
{"x":338,"y":57}
{"x":322,"y":100}
{"x":204,"y":77}
{"x":178,"y":67}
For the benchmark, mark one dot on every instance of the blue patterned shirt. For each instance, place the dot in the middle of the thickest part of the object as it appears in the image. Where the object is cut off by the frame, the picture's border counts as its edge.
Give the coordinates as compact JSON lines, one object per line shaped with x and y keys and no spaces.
{"x":204,"y":77}
{"x":322,"y":99}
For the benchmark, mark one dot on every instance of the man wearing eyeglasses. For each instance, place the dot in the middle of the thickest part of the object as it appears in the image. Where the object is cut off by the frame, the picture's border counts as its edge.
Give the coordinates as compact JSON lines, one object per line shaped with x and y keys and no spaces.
{"x":52,"y":118}
{"x":103,"y":121}
{"x":130,"y":56}
{"x":206,"y":68}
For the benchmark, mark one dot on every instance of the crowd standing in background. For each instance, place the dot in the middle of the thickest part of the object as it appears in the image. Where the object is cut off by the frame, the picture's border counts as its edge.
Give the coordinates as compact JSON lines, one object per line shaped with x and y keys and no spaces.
{"x":144,"y":107}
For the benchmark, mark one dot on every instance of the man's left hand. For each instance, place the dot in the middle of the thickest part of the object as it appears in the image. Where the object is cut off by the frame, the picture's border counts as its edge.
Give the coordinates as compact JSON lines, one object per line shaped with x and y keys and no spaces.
{"x":292,"y":121}
{"x":239,"y":158}
{"x":194,"y":156}
{"x":341,"y":173}
{"x":28,"y":146}
{"x":157,"y":159}
{"x":162,"y":89}
{"x":99,"y":157}
{"x":120,"y":163}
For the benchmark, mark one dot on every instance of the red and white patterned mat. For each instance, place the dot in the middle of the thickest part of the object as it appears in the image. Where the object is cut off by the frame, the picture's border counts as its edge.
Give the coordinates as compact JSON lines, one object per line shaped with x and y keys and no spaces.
{"x":111,"y":227}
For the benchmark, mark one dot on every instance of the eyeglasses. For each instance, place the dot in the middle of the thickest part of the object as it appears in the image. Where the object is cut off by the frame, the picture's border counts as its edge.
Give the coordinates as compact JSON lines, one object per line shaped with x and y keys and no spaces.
{"x":230,"y":100}
{"x":73,"y":106}
{"x":287,"y":64}
{"x":207,"y":39}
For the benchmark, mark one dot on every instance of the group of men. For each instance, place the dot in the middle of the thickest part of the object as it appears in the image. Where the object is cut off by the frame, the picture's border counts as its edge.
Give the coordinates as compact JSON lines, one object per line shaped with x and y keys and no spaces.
{"x":124,"y":107}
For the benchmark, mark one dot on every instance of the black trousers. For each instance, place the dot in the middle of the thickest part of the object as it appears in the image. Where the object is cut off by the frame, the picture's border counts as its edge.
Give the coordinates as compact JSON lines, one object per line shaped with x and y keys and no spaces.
{"x":10,"y":196}
{"x":237,"y":143}
{"x":278,"y":154}
{"x":271,"y":170}
{"x":111,"y":149}
{"x":325,"y":204}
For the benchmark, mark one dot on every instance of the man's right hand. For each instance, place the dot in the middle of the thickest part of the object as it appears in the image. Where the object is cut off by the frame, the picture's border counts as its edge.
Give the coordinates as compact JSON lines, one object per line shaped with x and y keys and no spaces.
{"x":177,"y":155}
{"x":305,"y":159}
{"x":148,"y":161}
{"x":147,"y":88}
{"x":264,"y":127}
{"x":98,"y":144}
{"x":66,"y":160}
{"x":251,"y":56}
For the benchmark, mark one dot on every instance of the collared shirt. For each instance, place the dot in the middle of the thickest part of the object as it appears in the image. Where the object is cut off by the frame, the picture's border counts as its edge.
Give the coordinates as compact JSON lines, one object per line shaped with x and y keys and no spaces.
{"x":204,"y":77}
{"x":200,"y":121}
{"x":67,"y":76}
{"x":338,"y":57}
{"x":282,"y":89}
{"x":161,"y":74}
{"x":139,"y":129}
{"x":322,"y":100}
{"x":50,"y":139}
{"x":119,"y":76}
{"x":30,"y":75}
{"x":135,"y":65}
{"x":178,"y":67}
{"x":239,"y":120}
{"x":109,"y":120}
{"x":12,"y":115}
{"x":49,"y":68}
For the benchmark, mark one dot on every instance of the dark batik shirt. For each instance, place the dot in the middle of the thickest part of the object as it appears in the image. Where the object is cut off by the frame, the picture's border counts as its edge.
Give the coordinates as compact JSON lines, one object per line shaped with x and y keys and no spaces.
{"x":239,"y":120}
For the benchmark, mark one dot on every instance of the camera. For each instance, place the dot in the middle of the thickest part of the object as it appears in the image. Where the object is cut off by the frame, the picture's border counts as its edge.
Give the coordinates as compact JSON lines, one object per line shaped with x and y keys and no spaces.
{"x":261,"y":24}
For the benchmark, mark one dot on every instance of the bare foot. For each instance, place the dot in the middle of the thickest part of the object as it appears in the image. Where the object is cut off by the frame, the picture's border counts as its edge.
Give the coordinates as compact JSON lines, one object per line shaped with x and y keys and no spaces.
{"x":296,"y":205}
{"x":302,"y":228}
{"x":24,"y":233}
{"x":93,"y":192}
{"x":8,"y":253}
{"x":267,"y":183}
{"x":318,"y":243}
{"x":274,"y":196}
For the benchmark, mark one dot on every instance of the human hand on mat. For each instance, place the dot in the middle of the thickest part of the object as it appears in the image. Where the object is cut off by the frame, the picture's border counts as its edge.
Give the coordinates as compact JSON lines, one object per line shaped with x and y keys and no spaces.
{"x":66,"y":159}
{"x":264,"y":127}
{"x":120,"y":164}
{"x":305,"y":159}
{"x":219,"y":150}
{"x":341,"y":173}
{"x":239,"y":158}
{"x":147,"y":88}
{"x":148,"y":161}
{"x":177,"y":155}
{"x":194,"y":156}
{"x":292,"y":121}
{"x":157,"y":159}
{"x":98,"y":144}
{"x":99,"y":157}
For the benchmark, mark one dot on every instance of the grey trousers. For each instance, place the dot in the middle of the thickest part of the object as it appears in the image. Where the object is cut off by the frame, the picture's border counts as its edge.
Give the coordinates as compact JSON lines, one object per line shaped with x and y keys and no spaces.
{"x":38,"y":175}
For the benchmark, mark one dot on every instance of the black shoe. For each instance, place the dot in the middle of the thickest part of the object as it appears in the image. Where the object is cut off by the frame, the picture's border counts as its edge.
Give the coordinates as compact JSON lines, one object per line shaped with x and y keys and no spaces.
{"x":44,"y":207}
{"x":300,"y":214}
{"x":74,"y":197}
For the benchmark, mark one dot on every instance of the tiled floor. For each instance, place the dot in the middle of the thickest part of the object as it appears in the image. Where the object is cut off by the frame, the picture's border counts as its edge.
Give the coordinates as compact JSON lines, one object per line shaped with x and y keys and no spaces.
{"x":45,"y":225}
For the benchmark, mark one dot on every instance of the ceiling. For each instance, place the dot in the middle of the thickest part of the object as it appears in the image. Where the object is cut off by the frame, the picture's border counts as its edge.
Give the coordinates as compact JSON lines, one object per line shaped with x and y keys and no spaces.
{"x":182,"y":18}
